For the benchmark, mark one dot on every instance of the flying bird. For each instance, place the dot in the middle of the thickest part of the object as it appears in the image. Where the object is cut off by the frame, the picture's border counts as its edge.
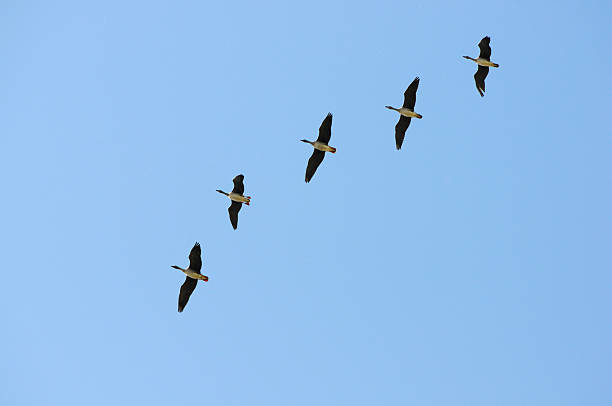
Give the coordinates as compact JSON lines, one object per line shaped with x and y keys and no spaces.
{"x":237,"y":198}
{"x":193,"y":275}
{"x":406,"y":112}
{"x":320,"y":147}
{"x":484,"y":63}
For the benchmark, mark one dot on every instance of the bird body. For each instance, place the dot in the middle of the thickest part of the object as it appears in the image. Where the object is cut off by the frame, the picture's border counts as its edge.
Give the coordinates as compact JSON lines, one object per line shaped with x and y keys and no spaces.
{"x":483,"y":62}
{"x":235,"y":197}
{"x":321,"y":146}
{"x":406,"y":112}
{"x":191,"y":273}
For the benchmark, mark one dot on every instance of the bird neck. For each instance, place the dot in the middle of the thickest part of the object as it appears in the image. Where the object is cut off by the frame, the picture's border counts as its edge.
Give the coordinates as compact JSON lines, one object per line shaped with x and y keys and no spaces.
{"x":308,"y":142}
{"x":177,"y":267}
{"x":222,"y":192}
{"x":470,"y":58}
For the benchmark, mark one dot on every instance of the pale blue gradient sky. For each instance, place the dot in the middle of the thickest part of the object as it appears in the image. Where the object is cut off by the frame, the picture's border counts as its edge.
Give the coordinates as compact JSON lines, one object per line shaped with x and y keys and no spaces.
{"x":471,"y":268}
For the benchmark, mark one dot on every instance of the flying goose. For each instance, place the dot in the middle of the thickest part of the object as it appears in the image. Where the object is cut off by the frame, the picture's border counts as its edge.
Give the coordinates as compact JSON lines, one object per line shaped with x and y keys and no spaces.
{"x":484,"y":63}
{"x":320,"y":147}
{"x":237,"y":198}
{"x":193,"y":274}
{"x":406,"y":112}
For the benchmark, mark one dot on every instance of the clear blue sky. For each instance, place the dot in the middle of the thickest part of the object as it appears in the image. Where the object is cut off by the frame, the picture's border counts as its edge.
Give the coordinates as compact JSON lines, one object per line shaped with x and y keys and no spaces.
{"x":473,"y":267}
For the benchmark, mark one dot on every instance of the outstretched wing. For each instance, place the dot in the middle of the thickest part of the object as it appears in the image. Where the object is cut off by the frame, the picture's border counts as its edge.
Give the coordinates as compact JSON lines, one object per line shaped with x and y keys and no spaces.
{"x":400,"y":130}
{"x":410,"y":94}
{"x":238,"y":184}
{"x":186,"y":290}
{"x":485,"y":48}
{"x":479,"y":78}
{"x":325,"y":130}
{"x":195,"y":258}
{"x":313,"y":163}
{"x":233,"y":213}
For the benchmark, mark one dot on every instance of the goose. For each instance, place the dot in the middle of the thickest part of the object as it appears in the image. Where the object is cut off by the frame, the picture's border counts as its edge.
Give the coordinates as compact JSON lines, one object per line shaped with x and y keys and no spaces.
{"x":193,"y":275}
{"x":406,"y":112}
{"x":237,"y":198}
{"x":484,"y":63}
{"x":320,"y":147}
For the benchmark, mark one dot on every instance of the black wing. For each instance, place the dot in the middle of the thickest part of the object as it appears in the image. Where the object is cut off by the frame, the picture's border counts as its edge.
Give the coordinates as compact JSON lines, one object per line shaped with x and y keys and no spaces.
{"x":238,"y":185}
{"x":485,"y":49}
{"x":315,"y":160}
{"x":400,"y":130}
{"x":186,"y":290}
{"x":479,"y":78}
{"x":195,"y":258}
{"x":325,"y":131}
{"x":233,"y":213}
{"x":410,"y":94}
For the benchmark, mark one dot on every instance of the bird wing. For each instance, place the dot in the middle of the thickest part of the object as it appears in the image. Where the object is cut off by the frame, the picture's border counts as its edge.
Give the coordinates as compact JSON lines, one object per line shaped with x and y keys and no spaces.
{"x":238,"y":184}
{"x":485,"y":49}
{"x":479,"y":78}
{"x":400,"y":130}
{"x":233,"y":213}
{"x":410,"y":94}
{"x":187,"y":289}
{"x":195,"y":258}
{"x":313,"y":163}
{"x":325,"y":130}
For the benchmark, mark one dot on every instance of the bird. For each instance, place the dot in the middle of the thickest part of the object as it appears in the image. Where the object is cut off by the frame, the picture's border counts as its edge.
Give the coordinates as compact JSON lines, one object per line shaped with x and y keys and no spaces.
{"x":237,"y":198}
{"x":193,"y":275}
{"x":484,"y":62}
{"x":406,"y":112}
{"x":320,"y":147}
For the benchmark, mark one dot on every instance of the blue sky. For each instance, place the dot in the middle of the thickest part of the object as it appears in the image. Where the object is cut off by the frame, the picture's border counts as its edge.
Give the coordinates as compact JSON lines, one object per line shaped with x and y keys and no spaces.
{"x":472,"y":267}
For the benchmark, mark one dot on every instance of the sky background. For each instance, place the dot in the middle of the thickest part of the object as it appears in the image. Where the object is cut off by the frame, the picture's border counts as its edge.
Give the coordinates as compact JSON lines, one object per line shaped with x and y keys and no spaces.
{"x":473,"y":267}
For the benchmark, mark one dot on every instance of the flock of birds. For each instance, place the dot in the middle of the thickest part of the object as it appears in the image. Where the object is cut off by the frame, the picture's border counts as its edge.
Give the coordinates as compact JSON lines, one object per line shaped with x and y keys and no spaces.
{"x":321,"y":146}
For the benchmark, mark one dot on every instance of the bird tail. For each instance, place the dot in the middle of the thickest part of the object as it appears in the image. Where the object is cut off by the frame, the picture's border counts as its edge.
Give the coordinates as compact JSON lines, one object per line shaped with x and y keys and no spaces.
{"x":418,"y":115}
{"x":496,"y":65}
{"x":333,"y":150}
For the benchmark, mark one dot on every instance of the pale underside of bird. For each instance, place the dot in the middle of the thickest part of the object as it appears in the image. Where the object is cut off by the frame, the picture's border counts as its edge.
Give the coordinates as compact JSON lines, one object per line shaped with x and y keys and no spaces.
{"x":484,"y":62}
{"x":320,"y":147}
{"x":237,"y":197}
{"x":193,"y":275}
{"x":406,"y":112}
